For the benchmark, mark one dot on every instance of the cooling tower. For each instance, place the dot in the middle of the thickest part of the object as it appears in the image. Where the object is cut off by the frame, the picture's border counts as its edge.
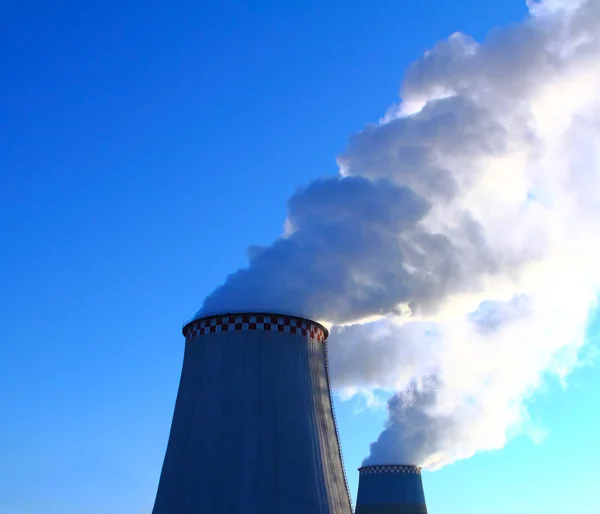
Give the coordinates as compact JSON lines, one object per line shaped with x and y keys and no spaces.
{"x":391,"y":489}
{"x":253,"y":429}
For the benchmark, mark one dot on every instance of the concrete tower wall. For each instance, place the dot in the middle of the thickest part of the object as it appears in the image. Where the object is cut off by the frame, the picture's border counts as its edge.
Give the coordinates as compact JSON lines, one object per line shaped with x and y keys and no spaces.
{"x":253,"y":430}
{"x":391,"y":489}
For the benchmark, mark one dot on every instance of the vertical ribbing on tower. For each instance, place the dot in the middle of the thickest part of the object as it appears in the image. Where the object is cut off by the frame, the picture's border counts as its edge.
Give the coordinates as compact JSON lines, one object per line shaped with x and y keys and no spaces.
{"x":253,"y":429}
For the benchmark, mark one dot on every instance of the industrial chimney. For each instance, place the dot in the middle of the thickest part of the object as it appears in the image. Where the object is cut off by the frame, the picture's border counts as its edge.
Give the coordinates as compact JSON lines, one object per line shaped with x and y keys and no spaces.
{"x":390,"y":489}
{"x":253,"y":429}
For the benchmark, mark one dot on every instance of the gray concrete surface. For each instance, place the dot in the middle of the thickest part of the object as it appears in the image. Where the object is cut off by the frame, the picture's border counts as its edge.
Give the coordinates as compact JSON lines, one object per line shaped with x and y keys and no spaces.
{"x":390,"y":493}
{"x":252,"y":430}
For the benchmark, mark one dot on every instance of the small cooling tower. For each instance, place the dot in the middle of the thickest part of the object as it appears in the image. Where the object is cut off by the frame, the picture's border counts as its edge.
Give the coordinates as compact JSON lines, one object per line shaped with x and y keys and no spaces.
{"x":390,"y":489}
{"x":253,"y":430}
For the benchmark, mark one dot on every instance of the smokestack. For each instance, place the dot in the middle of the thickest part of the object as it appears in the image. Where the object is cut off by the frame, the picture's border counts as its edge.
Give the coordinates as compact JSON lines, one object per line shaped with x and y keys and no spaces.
{"x":253,"y":429}
{"x":390,"y":489}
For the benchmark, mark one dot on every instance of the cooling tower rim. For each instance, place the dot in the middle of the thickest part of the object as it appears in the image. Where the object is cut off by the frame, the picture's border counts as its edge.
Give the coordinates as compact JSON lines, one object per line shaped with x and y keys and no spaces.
{"x":204,"y":317}
{"x":389,"y":468}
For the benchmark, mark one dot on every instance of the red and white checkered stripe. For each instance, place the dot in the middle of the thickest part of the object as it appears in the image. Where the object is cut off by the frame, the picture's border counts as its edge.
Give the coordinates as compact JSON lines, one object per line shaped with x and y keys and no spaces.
{"x":389,"y":468}
{"x":267,"y":322}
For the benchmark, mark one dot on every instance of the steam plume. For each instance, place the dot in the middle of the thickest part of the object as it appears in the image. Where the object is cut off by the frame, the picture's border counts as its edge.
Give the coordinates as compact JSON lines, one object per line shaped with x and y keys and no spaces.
{"x":455,"y":253}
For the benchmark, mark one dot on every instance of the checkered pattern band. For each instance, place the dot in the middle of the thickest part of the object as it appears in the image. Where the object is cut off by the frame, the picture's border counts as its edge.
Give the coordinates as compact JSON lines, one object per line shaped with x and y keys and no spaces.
{"x":244,"y":322}
{"x":389,"y":468}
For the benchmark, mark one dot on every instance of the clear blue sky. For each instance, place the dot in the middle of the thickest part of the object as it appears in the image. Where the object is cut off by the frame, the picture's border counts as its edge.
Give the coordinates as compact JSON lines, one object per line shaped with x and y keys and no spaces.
{"x":143,"y":147}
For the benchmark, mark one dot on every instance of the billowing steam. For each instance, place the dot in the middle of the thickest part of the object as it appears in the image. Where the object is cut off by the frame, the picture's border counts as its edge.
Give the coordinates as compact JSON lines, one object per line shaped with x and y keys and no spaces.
{"x":457,"y":253}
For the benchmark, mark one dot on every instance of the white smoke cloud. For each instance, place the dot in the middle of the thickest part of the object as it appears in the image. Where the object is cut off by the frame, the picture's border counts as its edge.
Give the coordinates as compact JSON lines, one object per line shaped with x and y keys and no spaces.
{"x":456,"y":253}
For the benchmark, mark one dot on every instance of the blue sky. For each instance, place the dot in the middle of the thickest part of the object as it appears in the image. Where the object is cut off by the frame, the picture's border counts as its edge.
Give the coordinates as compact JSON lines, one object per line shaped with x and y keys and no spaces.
{"x":143,"y":147}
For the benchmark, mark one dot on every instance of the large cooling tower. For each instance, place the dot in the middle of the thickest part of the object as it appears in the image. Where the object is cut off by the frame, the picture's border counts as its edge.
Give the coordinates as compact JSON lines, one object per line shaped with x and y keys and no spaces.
{"x":391,"y":489}
{"x":253,"y":430}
